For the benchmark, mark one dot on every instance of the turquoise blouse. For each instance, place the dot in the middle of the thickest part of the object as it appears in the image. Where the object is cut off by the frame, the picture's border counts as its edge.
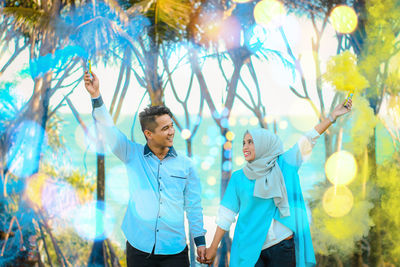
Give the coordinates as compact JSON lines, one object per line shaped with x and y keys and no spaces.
{"x":255,"y":214}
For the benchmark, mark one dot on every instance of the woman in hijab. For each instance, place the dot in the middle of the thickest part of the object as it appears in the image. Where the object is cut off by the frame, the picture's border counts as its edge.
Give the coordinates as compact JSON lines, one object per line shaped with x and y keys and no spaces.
{"x":272,"y":227}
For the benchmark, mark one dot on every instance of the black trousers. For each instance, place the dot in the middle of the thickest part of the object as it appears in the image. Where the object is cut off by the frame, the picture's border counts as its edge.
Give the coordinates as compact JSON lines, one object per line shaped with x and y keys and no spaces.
{"x":137,"y":258}
{"x":279,"y":255}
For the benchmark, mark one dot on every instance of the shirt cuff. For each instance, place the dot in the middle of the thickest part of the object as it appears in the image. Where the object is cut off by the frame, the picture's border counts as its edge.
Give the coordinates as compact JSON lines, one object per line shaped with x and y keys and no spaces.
{"x":225,"y":218}
{"x":200,"y":241}
{"x":97,"y":102}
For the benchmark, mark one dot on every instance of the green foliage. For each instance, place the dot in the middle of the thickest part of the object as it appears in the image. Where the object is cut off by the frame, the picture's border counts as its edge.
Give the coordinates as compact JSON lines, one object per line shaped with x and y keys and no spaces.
{"x":75,"y":248}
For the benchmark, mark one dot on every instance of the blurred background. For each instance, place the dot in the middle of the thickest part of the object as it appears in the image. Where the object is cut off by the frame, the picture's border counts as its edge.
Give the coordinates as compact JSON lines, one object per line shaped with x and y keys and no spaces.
{"x":222,"y":67}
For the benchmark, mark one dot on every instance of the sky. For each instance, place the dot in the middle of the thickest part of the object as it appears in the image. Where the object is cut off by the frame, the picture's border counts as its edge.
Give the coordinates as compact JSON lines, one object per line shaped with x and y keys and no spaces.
{"x":274,"y":78}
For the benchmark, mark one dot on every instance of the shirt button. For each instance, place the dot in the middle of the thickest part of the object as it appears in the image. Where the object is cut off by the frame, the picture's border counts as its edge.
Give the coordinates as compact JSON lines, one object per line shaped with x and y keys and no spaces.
{"x":160,"y":202}
{"x":157,"y":230}
{"x":160,"y":189}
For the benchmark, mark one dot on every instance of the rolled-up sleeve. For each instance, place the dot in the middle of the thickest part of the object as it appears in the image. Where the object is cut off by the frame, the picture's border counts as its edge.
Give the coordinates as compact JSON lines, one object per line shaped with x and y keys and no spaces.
{"x":225,"y":218}
{"x":112,"y":137}
{"x":301,"y":151}
{"x":307,"y":143}
{"x":193,"y":208}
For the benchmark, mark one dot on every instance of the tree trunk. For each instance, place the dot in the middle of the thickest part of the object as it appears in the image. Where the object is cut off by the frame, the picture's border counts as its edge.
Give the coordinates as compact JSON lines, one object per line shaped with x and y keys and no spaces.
{"x":375,"y":239}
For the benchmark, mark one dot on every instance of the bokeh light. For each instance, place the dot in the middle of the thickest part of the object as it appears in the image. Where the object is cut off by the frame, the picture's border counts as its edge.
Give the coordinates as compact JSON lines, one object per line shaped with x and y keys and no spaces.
{"x":303,"y":123}
{"x":268,"y":119}
{"x":117,"y":185}
{"x":26,"y":144}
{"x":283,"y":125}
{"x":239,"y":160}
{"x":230,"y":136}
{"x":291,"y":140}
{"x":344,"y":19}
{"x":243,"y":121}
{"x":58,"y":198}
{"x":88,"y":141}
{"x":253,"y":121}
{"x":232,"y":121}
{"x":337,"y":201}
{"x":341,"y":168}
{"x":93,"y":222}
{"x":34,"y":188}
{"x":227,"y":166}
{"x":269,"y":13}
{"x":242,"y":1}
{"x":211,"y":180}
{"x":205,"y":165}
{"x":186,"y":134}
{"x":230,"y":33}
{"x":228,"y":146}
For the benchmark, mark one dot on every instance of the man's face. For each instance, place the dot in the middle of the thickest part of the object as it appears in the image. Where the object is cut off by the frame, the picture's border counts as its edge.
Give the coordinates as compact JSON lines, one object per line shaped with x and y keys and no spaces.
{"x":163,"y":134}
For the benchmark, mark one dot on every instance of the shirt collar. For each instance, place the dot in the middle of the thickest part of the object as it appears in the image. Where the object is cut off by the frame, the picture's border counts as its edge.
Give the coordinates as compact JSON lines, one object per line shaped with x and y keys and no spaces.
{"x":171,"y":152}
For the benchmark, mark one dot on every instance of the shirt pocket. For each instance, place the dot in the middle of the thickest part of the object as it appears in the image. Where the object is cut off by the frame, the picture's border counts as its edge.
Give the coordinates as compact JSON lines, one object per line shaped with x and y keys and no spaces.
{"x":176,"y":184}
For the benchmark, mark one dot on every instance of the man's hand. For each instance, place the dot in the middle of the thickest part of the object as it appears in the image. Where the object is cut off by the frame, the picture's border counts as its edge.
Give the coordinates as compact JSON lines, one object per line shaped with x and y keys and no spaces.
{"x":201,"y":254}
{"x":341,"y":109}
{"x":92,"y":84}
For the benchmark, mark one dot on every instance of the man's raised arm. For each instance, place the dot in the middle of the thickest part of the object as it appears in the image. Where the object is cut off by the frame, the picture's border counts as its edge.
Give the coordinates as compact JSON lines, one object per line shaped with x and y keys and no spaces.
{"x":111,"y":136}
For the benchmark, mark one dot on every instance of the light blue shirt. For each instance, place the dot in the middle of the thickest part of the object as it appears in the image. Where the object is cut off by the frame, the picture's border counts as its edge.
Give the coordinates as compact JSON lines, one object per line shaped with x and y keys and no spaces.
{"x":160,"y":192}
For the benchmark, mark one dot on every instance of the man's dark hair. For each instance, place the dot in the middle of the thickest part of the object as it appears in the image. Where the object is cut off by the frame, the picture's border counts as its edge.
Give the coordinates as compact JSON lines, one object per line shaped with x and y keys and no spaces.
{"x":148,"y":117}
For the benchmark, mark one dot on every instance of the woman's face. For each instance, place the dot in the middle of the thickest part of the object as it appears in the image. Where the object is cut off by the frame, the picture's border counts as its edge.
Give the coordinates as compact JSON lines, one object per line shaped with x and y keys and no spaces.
{"x":249,"y":151}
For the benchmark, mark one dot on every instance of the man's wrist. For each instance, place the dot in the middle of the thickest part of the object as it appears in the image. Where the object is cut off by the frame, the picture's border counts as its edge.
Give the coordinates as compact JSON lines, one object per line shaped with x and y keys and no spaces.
{"x":200,"y":241}
{"x":97,"y":102}
{"x":95,"y":95}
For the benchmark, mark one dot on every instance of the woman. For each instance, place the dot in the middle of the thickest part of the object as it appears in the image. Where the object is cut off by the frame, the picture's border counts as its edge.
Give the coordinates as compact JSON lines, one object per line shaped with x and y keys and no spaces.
{"x":272,"y":227}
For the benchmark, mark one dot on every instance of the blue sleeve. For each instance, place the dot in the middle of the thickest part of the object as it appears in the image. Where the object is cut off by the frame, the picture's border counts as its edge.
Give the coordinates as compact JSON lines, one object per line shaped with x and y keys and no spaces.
{"x":192,"y":205}
{"x":231,"y":198}
{"x":119,"y":144}
{"x":293,"y":156}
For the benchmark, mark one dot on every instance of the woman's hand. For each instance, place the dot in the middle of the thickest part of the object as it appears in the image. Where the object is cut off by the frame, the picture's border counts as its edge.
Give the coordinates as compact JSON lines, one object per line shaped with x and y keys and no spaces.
{"x":341,"y":109}
{"x":211,"y":253}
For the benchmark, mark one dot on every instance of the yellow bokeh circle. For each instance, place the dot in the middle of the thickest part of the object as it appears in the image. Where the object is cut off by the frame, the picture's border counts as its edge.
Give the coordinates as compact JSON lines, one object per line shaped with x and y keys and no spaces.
{"x":230,"y":136}
{"x":337,"y":201}
{"x":241,"y":1}
{"x":341,"y":168}
{"x":34,"y":189}
{"x":344,"y":19}
{"x":269,"y":13}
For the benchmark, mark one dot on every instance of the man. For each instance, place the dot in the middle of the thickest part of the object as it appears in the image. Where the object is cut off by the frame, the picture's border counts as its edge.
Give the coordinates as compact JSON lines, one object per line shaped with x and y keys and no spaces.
{"x":162,"y":185}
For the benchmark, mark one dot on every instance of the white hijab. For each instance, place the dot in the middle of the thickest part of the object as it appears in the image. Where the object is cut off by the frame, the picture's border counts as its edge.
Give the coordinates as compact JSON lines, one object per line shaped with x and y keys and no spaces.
{"x":265,"y":170}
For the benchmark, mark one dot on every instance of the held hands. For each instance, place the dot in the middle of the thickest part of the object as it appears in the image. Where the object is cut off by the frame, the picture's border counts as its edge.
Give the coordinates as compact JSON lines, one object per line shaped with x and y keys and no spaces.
{"x":201,"y":254}
{"x":209,"y":256}
{"x":92,"y":84}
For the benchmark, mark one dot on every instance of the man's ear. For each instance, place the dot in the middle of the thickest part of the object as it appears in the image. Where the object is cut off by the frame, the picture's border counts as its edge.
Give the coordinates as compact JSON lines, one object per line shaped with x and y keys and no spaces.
{"x":147,"y":134}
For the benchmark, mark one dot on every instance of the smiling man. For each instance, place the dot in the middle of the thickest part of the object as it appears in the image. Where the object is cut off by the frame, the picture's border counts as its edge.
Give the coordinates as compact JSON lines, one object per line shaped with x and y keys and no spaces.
{"x":162,"y":186}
